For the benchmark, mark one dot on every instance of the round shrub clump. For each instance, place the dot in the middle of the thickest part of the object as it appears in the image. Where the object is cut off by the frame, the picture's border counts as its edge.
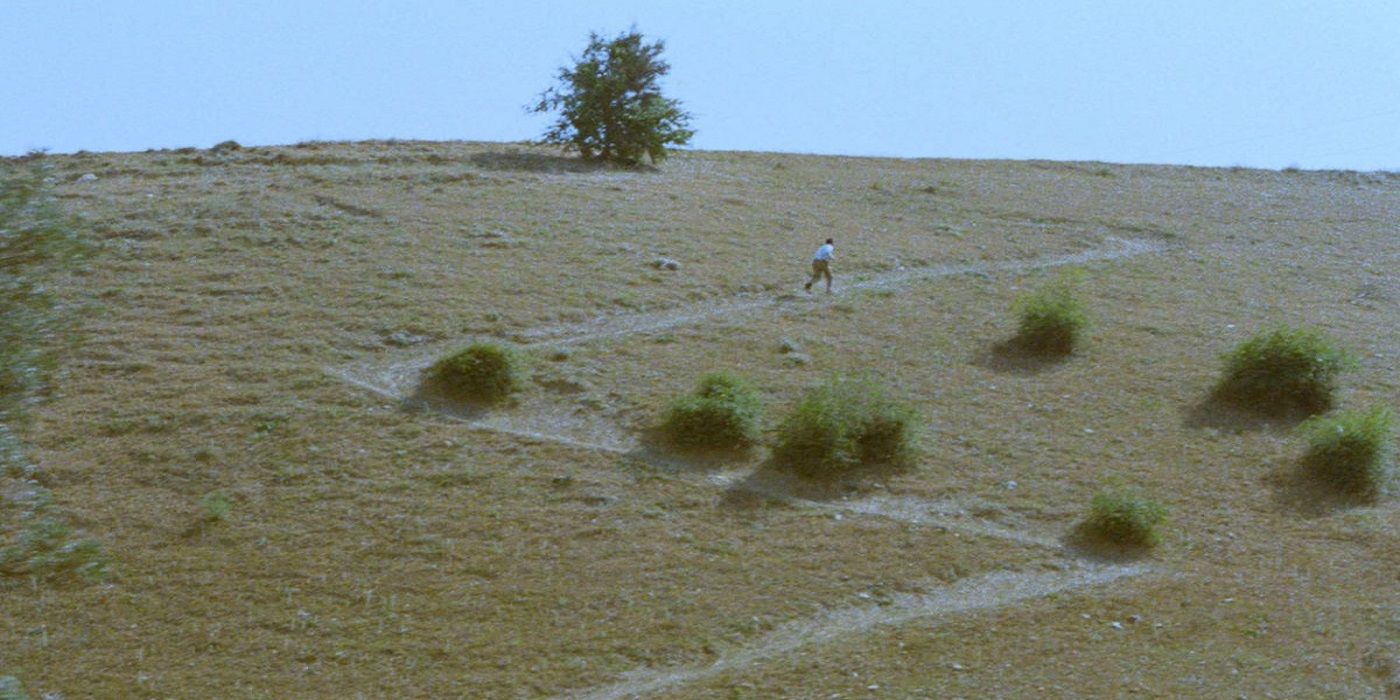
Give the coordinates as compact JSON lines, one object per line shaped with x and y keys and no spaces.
{"x":1052,"y":319}
{"x":1125,"y":519}
{"x":1283,"y":369}
{"x":722,"y":414}
{"x":1352,"y":451}
{"x":480,"y":372}
{"x":842,"y":426}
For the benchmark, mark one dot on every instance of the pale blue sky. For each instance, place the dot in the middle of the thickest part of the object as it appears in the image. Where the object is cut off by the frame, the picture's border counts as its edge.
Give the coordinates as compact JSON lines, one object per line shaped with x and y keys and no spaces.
{"x":1255,"y":83}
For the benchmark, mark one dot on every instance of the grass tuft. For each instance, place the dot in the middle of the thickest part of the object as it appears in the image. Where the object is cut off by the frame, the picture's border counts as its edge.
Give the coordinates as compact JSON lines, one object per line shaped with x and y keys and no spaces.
{"x":844,"y":425}
{"x":1282,"y":370}
{"x":1352,"y":451}
{"x":722,"y":414}
{"x":1124,"y":518}
{"x":12,"y":689}
{"x":216,"y":506}
{"x":42,"y":547}
{"x":481,"y":372}
{"x":1053,"y":320}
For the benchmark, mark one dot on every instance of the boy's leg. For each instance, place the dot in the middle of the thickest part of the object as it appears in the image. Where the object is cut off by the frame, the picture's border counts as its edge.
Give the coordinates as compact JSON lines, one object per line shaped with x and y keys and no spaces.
{"x":816,"y":275}
{"x":826,"y":270}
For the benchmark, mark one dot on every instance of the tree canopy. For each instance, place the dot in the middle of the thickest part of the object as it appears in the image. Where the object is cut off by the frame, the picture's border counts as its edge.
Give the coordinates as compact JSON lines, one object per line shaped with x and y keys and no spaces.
{"x":610,"y":104}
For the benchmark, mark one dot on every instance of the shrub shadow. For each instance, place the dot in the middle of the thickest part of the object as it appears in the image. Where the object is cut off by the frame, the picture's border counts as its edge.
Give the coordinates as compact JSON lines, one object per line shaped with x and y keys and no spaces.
{"x":1084,"y":543}
{"x":425,"y":399}
{"x":1298,"y":490}
{"x":1013,"y":356}
{"x":655,"y":449}
{"x":772,"y":483}
{"x":1221,"y":413}
{"x":514,"y":161}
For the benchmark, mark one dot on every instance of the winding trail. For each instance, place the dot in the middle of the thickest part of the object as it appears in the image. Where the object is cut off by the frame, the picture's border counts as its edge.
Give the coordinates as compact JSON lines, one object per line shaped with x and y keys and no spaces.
{"x":397,"y":378}
{"x":986,"y":592}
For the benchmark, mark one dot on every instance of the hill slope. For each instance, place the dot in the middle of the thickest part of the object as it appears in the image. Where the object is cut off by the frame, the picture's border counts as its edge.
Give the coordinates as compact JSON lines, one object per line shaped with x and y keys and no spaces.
{"x":256,"y":320}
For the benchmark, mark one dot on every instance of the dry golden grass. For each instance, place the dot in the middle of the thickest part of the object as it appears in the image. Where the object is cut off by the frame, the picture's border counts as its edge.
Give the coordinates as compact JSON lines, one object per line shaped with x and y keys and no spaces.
{"x":375,"y":551}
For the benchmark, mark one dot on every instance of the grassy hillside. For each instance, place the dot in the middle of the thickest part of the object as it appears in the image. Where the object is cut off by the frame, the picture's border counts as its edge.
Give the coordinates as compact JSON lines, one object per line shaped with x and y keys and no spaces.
{"x":241,"y":429}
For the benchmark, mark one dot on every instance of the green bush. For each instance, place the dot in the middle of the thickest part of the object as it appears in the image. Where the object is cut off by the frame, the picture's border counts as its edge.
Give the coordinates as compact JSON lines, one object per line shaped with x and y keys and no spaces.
{"x":1353,"y":451}
{"x":1283,"y":369}
{"x":1052,"y":319}
{"x":1124,"y":518}
{"x":723,"y":413}
{"x":844,"y":425}
{"x":480,"y":372}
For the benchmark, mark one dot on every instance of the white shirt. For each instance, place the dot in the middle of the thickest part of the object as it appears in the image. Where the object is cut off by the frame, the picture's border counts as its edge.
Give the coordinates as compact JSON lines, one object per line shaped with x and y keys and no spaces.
{"x":825,"y":252}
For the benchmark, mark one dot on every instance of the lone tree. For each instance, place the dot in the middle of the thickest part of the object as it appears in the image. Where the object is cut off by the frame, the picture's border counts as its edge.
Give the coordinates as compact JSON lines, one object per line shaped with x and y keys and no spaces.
{"x":610,"y":104}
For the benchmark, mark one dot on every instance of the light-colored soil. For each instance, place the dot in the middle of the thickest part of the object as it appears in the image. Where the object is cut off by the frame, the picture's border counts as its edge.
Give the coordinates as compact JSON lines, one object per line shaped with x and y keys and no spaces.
{"x":239,"y":324}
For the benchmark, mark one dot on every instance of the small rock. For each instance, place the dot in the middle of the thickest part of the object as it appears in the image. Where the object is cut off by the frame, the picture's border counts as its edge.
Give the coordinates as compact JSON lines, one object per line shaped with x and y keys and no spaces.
{"x":1116,"y":625}
{"x":863,"y":595}
{"x":797,"y":359}
{"x":404,"y":339}
{"x":957,"y":666}
{"x":873,"y":686}
{"x":1011,"y":485}
{"x":789,"y":346}
{"x":87,"y":177}
{"x":665,"y":264}
{"x":1088,"y":431}
{"x":1134,"y":619}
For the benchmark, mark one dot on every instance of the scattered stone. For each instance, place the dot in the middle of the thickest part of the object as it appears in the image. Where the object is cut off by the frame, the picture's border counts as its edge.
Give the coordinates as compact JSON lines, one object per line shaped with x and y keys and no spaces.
{"x":404,"y":339}
{"x":789,"y":346}
{"x":957,"y":666}
{"x":1134,"y":619}
{"x":1011,"y":485}
{"x":1116,"y":625}
{"x":87,"y":177}
{"x":797,"y":359}
{"x":665,"y":264}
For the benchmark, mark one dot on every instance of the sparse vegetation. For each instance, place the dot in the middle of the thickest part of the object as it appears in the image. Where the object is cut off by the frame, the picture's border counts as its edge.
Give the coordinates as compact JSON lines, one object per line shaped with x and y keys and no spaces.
{"x":481,"y":372}
{"x":843,"y":425}
{"x":43,"y":546}
{"x":610,"y":103}
{"x":1352,"y":451}
{"x":35,"y":238}
{"x":12,"y":689}
{"x":238,"y":346}
{"x":723,"y":413}
{"x":215,"y":505}
{"x":1122,"y":517}
{"x":1052,"y":319}
{"x":1283,"y":369}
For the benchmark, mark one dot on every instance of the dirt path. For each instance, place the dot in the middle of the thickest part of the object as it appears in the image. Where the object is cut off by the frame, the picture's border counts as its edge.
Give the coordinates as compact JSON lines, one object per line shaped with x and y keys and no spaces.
{"x":991,"y":591}
{"x":397,"y":377}
{"x":396,"y":380}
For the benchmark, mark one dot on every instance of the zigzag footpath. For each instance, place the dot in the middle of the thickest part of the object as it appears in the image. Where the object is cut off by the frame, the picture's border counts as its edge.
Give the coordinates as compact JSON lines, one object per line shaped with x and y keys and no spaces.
{"x":993,"y":590}
{"x":396,"y":378}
